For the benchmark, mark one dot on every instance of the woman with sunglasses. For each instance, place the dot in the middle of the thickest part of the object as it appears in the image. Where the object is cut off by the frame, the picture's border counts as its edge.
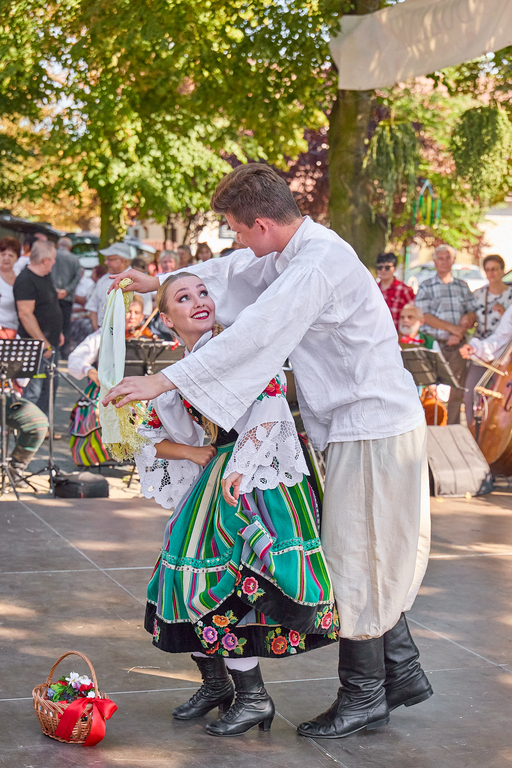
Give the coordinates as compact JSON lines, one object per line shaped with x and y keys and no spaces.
{"x":396,"y":294}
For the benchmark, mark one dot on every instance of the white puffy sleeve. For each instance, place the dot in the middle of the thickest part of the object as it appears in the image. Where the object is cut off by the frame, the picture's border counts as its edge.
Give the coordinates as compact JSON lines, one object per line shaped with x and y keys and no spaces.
{"x":267,"y":451}
{"x":162,"y":479}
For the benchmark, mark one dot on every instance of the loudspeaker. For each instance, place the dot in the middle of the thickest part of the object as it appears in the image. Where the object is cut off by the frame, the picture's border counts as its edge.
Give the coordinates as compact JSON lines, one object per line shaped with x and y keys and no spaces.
{"x":456,"y":464}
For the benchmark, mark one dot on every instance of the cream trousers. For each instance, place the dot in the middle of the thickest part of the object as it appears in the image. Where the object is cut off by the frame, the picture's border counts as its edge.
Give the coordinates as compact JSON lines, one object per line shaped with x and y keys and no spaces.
{"x":376,"y":528}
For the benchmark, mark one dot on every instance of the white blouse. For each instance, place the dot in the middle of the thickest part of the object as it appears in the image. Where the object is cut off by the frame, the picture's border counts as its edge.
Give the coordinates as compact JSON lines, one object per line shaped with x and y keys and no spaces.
{"x":85,"y":355}
{"x":266,"y":453}
{"x":8,"y":316}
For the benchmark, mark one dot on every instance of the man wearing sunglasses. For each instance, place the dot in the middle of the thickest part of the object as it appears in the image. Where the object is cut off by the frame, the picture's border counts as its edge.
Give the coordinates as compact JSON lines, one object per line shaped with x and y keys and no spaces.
{"x":396,"y":294}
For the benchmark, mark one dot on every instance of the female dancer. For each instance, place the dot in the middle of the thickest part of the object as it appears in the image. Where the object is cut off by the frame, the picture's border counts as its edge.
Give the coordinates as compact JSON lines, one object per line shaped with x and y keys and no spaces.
{"x":243,"y":574}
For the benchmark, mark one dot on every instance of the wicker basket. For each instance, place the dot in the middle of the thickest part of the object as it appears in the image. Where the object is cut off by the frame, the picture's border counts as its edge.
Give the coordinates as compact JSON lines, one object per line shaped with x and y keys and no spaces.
{"x":48,"y":711}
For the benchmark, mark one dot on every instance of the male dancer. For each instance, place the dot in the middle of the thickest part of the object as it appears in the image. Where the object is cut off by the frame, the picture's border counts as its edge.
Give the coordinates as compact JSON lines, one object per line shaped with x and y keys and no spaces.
{"x":301,"y":292}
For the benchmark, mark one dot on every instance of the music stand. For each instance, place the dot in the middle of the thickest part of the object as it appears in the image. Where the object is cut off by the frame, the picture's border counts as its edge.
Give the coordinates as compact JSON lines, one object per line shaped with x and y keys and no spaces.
{"x":428,"y":367}
{"x":19,"y":359}
{"x":51,"y":467}
{"x":147,"y":356}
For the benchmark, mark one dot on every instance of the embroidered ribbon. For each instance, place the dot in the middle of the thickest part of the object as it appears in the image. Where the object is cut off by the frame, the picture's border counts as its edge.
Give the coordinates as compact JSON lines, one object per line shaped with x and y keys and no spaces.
{"x":102,"y":709}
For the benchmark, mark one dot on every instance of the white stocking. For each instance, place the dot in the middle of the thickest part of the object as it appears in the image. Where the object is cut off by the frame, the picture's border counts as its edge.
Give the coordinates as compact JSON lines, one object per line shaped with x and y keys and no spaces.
{"x":242,"y":665}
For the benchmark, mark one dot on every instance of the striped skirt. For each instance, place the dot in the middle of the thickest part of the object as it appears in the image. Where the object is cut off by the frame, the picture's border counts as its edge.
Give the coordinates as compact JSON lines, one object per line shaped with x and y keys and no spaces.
{"x":249,"y":580}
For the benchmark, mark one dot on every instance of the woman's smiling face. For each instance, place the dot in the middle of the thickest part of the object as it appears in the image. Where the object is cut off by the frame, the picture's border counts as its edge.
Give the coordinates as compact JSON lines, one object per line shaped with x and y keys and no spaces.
{"x":190,"y":310}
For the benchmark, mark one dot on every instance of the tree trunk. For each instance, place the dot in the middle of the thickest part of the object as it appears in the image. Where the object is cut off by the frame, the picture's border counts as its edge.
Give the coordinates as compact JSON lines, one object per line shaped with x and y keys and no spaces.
{"x":112,"y":225}
{"x":349,"y":210}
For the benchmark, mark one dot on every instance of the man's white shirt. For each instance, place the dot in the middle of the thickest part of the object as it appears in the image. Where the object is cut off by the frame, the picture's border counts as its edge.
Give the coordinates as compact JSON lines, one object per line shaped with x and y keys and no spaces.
{"x":317,"y":304}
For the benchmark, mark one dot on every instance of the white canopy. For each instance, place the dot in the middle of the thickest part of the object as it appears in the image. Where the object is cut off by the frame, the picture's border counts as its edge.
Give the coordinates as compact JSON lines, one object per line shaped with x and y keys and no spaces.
{"x":416,"y":37}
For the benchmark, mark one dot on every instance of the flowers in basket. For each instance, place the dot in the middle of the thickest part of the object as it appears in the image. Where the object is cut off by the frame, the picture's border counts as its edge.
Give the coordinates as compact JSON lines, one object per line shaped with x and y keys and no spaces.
{"x":71,"y":688}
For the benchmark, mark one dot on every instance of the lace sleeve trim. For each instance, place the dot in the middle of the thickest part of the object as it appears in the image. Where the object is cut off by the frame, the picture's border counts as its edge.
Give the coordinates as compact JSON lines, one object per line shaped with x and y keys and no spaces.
{"x":160,"y":479}
{"x":267,"y":455}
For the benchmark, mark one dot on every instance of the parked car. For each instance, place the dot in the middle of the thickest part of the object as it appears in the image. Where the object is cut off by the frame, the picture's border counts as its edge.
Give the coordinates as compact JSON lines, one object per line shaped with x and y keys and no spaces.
{"x":470,"y":273}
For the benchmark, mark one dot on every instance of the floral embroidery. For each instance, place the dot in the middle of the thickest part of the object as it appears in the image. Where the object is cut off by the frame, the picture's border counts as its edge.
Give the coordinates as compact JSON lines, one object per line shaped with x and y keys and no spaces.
{"x":278,"y":644}
{"x":226,"y":642}
{"x":250,"y":588}
{"x":230,"y":641}
{"x":152,"y":421}
{"x":156,"y":631}
{"x":210,"y":634}
{"x":275,"y":388}
{"x":238,"y":579}
{"x":220,"y":621}
{"x":325,"y":618}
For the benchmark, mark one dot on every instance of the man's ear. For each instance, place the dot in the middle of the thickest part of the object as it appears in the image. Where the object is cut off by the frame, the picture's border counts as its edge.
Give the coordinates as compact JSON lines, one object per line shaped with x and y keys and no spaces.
{"x":166,"y":320}
{"x":262,"y":224}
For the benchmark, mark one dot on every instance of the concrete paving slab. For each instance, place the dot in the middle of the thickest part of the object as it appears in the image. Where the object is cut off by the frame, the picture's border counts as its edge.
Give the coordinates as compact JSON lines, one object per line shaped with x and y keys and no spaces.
{"x":54,"y":596}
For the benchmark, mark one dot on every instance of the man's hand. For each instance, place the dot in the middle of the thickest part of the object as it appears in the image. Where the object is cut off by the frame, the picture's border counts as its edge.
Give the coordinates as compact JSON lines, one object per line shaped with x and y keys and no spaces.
{"x":61,"y":293}
{"x":48,"y":353}
{"x":141,"y":283}
{"x":203,"y":455}
{"x":134,"y":388}
{"x":453,"y":339}
{"x":231,"y":481}
{"x":62,"y":339}
{"x":467,"y":351}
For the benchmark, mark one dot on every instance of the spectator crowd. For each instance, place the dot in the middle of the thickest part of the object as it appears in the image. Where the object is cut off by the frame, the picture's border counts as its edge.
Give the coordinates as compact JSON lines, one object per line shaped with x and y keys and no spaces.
{"x":45,"y":295}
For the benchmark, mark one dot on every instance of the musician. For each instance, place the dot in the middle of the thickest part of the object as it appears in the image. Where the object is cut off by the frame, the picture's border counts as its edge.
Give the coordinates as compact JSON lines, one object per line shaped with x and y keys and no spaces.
{"x":486,"y":349}
{"x":409,"y":324}
{"x":135,"y":319}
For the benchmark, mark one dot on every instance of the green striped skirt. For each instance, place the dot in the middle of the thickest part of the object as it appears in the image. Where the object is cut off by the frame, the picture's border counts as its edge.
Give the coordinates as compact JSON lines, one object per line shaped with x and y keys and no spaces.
{"x":249,"y":580}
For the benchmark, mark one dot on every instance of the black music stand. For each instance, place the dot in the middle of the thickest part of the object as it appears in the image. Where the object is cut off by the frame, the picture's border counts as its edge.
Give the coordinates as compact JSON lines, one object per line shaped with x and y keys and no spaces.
{"x":51,"y":467}
{"x":19,"y":359}
{"x":147,"y":356}
{"x":428,"y":367}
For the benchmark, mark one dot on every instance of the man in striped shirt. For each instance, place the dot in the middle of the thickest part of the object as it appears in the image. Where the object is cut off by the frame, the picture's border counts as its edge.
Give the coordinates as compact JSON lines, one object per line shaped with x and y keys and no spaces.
{"x":449,"y":308}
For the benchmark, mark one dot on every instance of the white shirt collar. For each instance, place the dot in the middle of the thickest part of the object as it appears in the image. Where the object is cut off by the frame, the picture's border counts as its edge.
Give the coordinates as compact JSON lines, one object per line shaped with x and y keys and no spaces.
{"x":293,"y":246}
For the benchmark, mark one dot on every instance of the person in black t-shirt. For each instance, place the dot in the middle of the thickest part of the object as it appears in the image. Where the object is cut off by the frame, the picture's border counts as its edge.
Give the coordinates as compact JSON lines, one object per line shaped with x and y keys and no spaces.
{"x":39,"y":314}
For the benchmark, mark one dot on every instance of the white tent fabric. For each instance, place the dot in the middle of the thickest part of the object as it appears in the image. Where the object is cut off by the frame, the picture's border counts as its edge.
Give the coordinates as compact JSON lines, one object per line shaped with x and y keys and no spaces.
{"x":416,"y":37}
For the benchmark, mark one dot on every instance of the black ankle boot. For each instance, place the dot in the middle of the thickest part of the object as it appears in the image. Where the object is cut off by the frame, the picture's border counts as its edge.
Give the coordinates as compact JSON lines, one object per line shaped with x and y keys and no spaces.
{"x":216,"y":690}
{"x":406,"y":682}
{"x":361,"y":701}
{"x":252,"y":706}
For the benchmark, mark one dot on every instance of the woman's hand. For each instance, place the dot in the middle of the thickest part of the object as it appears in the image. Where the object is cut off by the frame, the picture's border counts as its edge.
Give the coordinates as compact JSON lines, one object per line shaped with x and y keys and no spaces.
{"x":201,"y":456}
{"x":92,"y":374}
{"x":231,"y":481}
{"x":141,"y":283}
{"x":499,"y":308}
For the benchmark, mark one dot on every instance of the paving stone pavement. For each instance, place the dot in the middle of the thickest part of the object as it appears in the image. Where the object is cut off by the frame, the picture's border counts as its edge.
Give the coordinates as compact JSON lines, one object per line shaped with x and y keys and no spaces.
{"x":73,"y":575}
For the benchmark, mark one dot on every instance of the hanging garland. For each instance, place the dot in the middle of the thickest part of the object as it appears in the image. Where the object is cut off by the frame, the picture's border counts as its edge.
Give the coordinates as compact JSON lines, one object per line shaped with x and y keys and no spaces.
{"x":426,"y":209}
{"x":481,"y":146}
{"x":391,"y":164}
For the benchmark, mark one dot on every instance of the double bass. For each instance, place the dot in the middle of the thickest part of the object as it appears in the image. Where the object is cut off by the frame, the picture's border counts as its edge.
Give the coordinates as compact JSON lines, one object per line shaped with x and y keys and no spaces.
{"x":492,"y":423}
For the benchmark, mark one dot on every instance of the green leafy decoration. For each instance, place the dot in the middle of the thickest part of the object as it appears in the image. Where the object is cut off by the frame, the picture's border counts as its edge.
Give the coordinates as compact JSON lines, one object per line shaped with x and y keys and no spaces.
{"x":481,"y":147}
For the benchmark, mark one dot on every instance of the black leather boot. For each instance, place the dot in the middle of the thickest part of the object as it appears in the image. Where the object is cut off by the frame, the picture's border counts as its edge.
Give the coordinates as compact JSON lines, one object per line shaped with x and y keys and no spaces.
{"x":216,"y":691}
{"x":406,"y":682}
{"x":361,"y":701}
{"x":252,"y":706}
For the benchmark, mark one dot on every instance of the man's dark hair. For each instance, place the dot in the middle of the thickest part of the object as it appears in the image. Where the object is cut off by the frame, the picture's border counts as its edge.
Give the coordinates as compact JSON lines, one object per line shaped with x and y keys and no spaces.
{"x":255,"y":191}
{"x":185,"y":248}
{"x":29,"y":240}
{"x":387,"y":258}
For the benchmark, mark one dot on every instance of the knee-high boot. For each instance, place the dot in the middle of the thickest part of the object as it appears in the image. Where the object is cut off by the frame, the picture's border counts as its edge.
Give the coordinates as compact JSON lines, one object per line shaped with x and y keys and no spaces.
{"x":406,"y":682}
{"x":361,"y":701}
{"x":252,"y":706}
{"x":216,"y":690}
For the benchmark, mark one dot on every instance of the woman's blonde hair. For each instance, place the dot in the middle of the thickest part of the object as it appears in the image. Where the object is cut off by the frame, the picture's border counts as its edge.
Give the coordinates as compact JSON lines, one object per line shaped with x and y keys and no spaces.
{"x":211,"y":429}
